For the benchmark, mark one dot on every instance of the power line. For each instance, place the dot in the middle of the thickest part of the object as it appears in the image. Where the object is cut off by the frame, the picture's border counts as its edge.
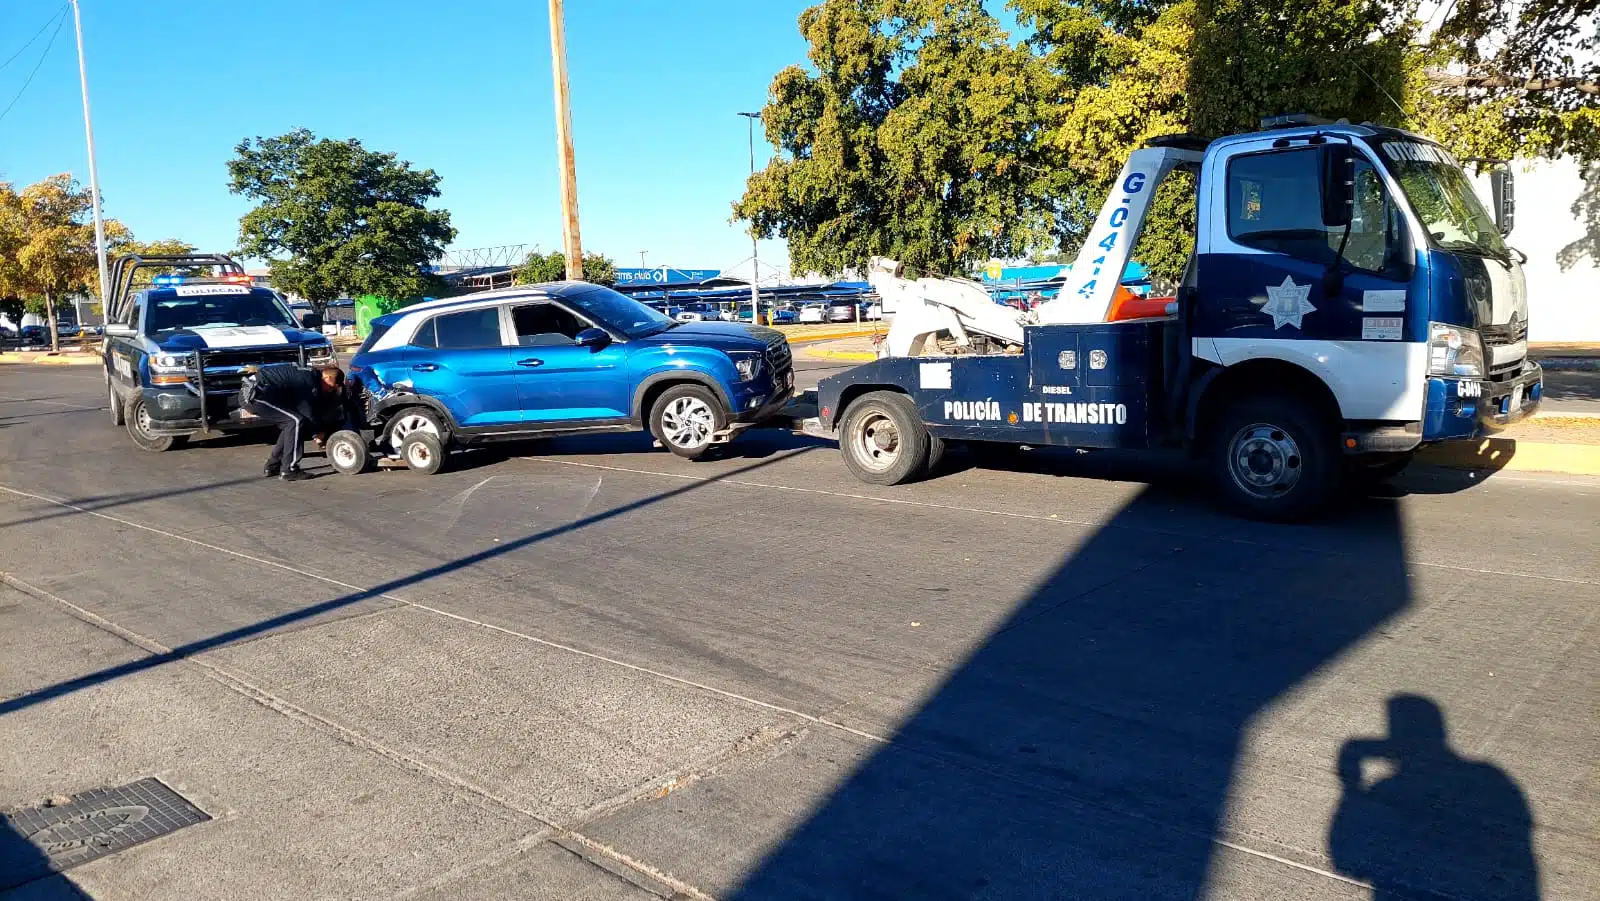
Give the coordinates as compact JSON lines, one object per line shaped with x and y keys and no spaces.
{"x":24,"y":89}
{"x":20,"y":50}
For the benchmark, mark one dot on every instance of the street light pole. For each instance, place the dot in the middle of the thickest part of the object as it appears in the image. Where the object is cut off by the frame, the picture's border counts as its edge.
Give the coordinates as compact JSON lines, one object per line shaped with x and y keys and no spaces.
{"x":565,"y":154}
{"x":94,"y":177}
{"x":641,"y":258}
{"x":755,"y":247}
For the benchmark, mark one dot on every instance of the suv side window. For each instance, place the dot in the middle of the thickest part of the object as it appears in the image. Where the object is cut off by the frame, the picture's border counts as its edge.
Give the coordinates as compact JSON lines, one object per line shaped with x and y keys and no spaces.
{"x":468,"y":329}
{"x":546,"y":325}
{"x":1273,"y":204}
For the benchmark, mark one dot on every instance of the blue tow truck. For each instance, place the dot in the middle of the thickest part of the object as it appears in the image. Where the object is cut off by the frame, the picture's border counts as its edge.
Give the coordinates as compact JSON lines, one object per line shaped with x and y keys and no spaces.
{"x":177,"y":341}
{"x":1349,"y":301}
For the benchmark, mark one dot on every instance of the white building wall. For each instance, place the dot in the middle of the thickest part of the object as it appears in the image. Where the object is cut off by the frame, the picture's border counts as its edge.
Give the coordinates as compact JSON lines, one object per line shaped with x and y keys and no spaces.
{"x":1563,"y":302}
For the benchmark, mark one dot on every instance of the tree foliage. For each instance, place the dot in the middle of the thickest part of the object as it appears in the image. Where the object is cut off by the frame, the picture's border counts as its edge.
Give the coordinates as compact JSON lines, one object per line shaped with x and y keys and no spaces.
{"x":922,"y":130}
{"x":47,"y":245}
{"x":539,"y":268}
{"x":337,"y":219}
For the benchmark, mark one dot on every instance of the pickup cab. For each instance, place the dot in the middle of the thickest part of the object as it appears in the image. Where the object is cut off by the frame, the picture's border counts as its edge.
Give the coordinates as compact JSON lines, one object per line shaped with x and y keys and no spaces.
{"x":563,"y":358}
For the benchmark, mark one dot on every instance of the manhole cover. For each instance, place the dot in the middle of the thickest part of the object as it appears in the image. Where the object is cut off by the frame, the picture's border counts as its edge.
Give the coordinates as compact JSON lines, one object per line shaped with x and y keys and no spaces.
{"x":38,"y":841}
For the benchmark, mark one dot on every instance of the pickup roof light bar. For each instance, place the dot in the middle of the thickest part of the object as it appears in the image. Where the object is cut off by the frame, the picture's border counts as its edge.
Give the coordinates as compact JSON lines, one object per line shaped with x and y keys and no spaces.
{"x":167,"y":281}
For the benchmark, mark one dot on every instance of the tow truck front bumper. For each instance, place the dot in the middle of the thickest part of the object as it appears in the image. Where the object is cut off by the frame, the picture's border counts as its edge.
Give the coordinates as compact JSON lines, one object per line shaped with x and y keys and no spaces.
{"x":1477,"y":408}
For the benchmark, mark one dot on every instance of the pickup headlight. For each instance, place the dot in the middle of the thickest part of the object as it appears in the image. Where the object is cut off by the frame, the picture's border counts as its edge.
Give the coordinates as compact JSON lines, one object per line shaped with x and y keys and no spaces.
{"x":1454,"y":352}
{"x":319,"y":354}
{"x":748,"y":364}
{"x":171,"y":362}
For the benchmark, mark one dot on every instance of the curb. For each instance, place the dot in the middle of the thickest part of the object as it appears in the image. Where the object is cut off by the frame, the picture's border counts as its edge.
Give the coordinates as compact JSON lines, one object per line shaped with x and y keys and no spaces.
{"x":833,"y":335}
{"x":1509,"y":454}
{"x":1570,"y":364}
{"x":44,"y":358}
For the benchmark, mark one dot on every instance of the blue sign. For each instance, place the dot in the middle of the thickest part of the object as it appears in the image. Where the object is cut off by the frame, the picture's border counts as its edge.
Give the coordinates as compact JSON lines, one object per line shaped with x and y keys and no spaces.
{"x":665,"y":275}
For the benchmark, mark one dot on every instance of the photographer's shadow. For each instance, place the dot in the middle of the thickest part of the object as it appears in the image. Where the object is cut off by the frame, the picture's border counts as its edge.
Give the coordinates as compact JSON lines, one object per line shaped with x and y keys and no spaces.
{"x":1431,"y":823}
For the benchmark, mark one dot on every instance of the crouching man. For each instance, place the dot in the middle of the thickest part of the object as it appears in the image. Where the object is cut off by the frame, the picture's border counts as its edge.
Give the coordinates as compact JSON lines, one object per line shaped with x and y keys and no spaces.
{"x":302,"y":402}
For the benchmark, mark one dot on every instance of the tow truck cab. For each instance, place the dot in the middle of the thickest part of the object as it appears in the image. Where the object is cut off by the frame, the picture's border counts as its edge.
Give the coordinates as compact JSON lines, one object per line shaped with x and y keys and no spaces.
{"x":1348,"y":301}
{"x":176,"y":347}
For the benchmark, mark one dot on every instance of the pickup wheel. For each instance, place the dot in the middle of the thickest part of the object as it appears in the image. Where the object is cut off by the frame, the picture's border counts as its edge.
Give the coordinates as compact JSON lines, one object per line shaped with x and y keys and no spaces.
{"x":1274,"y":459}
{"x":883,"y":440}
{"x":686,"y":418}
{"x":141,"y":428}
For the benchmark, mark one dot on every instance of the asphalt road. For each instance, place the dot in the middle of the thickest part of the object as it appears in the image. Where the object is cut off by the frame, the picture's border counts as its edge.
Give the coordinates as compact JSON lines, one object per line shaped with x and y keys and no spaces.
{"x":586,"y":670}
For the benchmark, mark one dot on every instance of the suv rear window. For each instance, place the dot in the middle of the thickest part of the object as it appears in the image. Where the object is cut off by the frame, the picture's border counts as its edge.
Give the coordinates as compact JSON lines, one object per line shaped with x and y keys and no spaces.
{"x":372,"y":338}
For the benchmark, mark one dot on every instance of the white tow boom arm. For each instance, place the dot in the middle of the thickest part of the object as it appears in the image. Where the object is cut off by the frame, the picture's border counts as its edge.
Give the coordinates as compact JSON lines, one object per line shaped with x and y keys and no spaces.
{"x":1092,"y":284}
{"x":927,"y":306}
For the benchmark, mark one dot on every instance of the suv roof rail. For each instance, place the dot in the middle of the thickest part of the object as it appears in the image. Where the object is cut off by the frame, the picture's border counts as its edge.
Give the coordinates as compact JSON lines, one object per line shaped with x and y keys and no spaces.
{"x":123,"y":268}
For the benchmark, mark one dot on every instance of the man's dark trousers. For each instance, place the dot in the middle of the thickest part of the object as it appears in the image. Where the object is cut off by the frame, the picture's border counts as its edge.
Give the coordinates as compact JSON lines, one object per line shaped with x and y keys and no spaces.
{"x":291,"y":435}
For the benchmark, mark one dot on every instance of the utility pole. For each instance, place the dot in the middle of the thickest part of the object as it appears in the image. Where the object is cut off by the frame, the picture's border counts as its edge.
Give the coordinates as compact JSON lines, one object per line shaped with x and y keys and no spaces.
{"x":94,"y":178}
{"x":564,"y":152}
{"x":755,"y":248}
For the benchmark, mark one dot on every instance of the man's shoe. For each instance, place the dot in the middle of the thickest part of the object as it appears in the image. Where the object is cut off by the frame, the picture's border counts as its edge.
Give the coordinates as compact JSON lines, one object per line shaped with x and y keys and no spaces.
{"x":270,"y":471}
{"x":296,"y":475}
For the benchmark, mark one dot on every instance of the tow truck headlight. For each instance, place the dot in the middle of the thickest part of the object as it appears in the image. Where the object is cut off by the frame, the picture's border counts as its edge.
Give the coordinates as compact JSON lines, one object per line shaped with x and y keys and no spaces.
{"x":1454,"y":352}
{"x":319,"y":354}
{"x":749,"y":365}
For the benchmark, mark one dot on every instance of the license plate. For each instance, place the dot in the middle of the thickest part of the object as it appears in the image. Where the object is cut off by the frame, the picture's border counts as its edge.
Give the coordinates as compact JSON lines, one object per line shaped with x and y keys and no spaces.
{"x":1516,"y":399}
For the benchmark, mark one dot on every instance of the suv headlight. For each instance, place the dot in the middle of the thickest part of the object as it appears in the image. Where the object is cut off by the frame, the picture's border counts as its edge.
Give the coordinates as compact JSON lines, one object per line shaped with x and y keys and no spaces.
{"x":319,"y":354}
{"x":748,"y":364}
{"x":1454,"y":352}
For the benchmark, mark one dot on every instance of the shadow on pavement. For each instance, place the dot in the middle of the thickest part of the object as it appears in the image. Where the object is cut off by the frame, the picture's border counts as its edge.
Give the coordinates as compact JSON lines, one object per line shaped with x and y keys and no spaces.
{"x":1430,"y":807}
{"x":25,"y":873}
{"x":100,"y":677}
{"x":1086,"y":749}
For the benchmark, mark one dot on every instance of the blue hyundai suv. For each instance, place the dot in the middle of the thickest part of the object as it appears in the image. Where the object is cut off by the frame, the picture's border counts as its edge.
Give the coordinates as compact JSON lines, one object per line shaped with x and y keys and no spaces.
{"x":564,"y":358}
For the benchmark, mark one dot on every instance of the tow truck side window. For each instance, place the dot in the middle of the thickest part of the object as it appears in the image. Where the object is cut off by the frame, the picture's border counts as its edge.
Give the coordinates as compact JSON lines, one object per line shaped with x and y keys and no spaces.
{"x":1273,"y":204}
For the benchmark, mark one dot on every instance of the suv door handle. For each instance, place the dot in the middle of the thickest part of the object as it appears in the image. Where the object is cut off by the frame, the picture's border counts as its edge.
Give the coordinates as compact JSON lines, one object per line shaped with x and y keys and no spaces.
{"x":426,"y":367}
{"x":530,"y":362}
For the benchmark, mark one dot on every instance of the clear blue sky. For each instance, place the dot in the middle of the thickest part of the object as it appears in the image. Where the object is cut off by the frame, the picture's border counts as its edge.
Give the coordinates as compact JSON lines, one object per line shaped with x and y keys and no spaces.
{"x":464,"y":88}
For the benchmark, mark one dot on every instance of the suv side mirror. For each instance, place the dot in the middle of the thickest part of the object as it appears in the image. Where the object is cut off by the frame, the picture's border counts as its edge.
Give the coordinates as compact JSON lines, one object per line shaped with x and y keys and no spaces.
{"x":593,"y":337}
{"x":1503,"y":188}
{"x":311,"y":321}
{"x":1336,"y":168}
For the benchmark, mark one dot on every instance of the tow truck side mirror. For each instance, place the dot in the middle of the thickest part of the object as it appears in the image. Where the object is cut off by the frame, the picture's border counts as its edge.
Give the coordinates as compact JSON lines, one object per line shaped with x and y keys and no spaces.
{"x":1337,"y":162}
{"x":1503,"y":188}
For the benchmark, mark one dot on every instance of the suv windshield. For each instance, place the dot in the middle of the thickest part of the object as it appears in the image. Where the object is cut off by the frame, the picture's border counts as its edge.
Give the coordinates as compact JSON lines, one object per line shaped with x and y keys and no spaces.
{"x":173,"y":311}
{"x":623,"y":314}
{"x":1443,"y":198}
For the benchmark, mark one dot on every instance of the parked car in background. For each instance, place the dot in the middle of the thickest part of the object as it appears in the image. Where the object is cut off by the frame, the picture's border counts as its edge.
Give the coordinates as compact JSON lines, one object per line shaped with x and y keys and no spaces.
{"x":784,"y":316}
{"x":67,"y":330}
{"x":842,"y":311}
{"x":872,"y":311}
{"x":34,"y":335}
{"x":693,"y":312}
{"x":813,"y":312}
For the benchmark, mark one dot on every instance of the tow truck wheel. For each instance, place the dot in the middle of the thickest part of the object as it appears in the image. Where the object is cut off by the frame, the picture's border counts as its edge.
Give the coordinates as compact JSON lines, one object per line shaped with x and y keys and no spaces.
{"x":141,"y":428}
{"x":422,"y":453}
{"x":883,"y":440}
{"x":1274,"y":459}
{"x":118,"y":418}
{"x":347,"y":452}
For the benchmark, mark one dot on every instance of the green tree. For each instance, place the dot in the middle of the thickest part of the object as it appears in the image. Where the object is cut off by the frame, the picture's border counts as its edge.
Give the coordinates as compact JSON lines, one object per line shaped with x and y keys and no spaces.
{"x":47,"y":245}
{"x":921,"y":130}
{"x":910,"y":137}
{"x":539,"y":268}
{"x":336,"y":219}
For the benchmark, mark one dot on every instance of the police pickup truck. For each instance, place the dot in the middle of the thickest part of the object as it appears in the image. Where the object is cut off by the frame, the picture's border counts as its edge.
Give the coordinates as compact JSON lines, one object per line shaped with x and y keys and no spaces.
{"x":177,"y":343}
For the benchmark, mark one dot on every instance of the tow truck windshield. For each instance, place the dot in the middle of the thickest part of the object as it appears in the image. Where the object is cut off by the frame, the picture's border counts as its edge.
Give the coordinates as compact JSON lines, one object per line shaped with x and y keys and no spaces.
{"x":174,"y":312}
{"x":1443,"y":199}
